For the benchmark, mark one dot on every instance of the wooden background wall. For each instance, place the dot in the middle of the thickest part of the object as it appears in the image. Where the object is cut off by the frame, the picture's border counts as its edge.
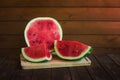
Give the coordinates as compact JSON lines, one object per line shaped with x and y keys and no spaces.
{"x":94,"y":22}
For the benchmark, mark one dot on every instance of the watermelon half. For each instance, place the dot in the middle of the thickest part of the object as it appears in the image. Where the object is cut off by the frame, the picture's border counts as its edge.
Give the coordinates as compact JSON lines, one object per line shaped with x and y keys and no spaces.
{"x":42,"y":30}
{"x":71,"y":50}
{"x":38,"y":53}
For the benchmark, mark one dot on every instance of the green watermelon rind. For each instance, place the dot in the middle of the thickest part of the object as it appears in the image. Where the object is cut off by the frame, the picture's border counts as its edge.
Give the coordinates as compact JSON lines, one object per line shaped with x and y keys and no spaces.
{"x":82,"y":55}
{"x":35,"y":60}
{"x":41,"y":18}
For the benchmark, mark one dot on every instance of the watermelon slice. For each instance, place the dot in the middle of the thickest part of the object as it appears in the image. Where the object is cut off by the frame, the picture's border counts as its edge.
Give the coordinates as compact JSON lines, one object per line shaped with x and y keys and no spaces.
{"x":71,"y":50}
{"x":36,"y":53}
{"x":42,"y":30}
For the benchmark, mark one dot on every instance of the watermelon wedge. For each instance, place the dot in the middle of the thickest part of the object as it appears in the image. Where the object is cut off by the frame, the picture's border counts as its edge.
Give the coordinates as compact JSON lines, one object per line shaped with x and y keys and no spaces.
{"x":42,"y":30}
{"x":38,"y":53}
{"x":71,"y":50}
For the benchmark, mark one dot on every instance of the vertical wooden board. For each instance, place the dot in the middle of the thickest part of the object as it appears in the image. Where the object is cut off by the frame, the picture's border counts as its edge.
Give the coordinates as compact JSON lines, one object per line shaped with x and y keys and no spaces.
{"x":96,"y":71}
{"x":61,"y":74}
{"x":79,"y":73}
{"x":22,"y":75}
{"x":115,"y":58}
{"x":109,"y":66}
{"x":42,"y":74}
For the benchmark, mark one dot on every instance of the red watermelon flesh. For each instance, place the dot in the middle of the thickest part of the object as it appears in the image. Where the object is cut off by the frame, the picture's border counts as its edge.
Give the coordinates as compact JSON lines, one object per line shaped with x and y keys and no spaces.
{"x":71,"y":50}
{"x":43,"y":30}
{"x":36,"y":53}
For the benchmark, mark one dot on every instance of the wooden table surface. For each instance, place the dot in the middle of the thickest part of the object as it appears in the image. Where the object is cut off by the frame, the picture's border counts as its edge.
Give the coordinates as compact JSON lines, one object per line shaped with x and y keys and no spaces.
{"x":94,"y":22}
{"x":104,"y":67}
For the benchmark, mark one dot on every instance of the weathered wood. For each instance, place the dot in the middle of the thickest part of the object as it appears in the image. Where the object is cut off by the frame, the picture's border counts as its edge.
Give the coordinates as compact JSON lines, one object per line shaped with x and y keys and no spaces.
{"x":6,"y":69}
{"x":78,"y":73}
{"x":109,"y":66}
{"x":42,"y":74}
{"x":69,"y":27}
{"x":115,"y":58}
{"x":96,"y":71}
{"x":17,"y":41}
{"x":61,"y":74}
{"x":60,"y":3}
{"x":22,"y":75}
{"x":20,"y":14}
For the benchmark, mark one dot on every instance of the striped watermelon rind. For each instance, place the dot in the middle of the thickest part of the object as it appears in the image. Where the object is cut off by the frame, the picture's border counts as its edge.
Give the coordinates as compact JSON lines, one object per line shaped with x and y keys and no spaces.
{"x":82,"y":55}
{"x":35,"y":60}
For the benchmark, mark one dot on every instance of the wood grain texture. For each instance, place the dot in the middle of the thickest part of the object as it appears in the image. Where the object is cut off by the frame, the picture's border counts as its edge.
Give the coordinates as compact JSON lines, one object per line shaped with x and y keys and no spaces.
{"x":61,"y":74}
{"x":20,"y":14}
{"x":69,"y":27}
{"x":42,"y":74}
{"x":106,"y":63}
{"x":79,"y":73}
{"x":60,"y":3}
{"x":115,"y":58}
{"x":22,"y":75}
{"x":94,"y":22}
{"x":96,"y":70}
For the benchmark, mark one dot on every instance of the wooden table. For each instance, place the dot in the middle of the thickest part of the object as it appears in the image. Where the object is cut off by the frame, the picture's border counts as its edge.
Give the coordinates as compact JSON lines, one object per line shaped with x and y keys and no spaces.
{"x":104,"y":67}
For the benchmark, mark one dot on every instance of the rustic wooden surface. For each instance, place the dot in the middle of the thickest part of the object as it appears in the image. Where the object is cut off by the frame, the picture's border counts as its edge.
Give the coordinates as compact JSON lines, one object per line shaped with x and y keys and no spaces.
{"x":103,"y":67}
{"x":94,"y":22}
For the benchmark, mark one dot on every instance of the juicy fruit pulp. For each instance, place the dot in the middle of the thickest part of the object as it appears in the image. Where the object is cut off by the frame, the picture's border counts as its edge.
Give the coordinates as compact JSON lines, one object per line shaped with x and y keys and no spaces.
{"x":36,"y":53}
{"x":71,"y":50}
{"x":43,"y":30}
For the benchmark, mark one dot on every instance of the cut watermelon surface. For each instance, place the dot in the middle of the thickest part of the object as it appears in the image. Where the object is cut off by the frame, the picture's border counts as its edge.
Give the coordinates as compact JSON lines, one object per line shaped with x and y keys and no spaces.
{"x":36,"y":53}
{"x":42,"y":30}
{"x":71,"y":50}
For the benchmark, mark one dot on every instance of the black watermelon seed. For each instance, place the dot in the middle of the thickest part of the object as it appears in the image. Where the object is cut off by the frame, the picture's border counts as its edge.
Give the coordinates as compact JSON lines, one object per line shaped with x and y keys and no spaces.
{"x":34,"y":34}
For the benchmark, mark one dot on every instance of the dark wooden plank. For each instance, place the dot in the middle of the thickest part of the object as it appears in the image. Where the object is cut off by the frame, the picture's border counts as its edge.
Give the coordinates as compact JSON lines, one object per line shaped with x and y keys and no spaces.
{"x":13,"y":62}
{"x":60,"y":3}
{"x":6,"y":68}
{"x":20,"y":14}
{"x":96,"y":71}
{"x":79,"y":73}
{"x":115,"y":58}
{"x":17,"y":41}
{"x":22,"y":75}
{"x":110,"y":67}
{"x":69,"y":27}
{"x":10,"y":69}
{"x":5,"y":75}
{"x":42,"y":74}
{"x":61,"y":74}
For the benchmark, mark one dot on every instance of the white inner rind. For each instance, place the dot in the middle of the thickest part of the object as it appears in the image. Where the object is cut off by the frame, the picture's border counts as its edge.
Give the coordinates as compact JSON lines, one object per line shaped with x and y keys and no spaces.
{"x":70,"y":58}
{"x":41,"y":18}
{"x":35,"y":60}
